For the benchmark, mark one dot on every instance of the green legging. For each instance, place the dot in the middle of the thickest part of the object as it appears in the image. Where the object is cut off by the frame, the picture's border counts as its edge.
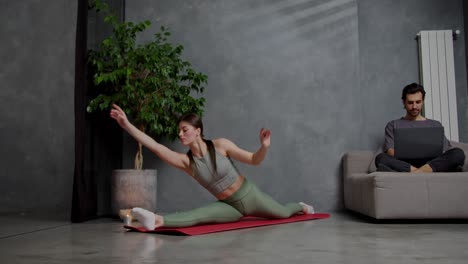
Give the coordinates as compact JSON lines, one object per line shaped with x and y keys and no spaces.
{"x":247,"y":201}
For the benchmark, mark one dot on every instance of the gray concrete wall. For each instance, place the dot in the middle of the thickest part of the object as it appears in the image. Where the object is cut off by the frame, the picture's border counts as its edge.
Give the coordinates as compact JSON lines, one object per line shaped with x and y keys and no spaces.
{"x":291,"y":66}
{"x":36,"y":104}
{"x":389,"y":57}
{"x":324,"y":76}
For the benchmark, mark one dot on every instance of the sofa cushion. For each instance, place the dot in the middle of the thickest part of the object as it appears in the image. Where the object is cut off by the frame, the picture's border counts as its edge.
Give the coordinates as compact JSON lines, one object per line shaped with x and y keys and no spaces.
{"x":424,"y":195}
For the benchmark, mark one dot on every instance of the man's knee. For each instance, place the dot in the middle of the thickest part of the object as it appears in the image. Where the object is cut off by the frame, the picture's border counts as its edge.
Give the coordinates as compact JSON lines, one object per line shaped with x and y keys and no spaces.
{"x":381,"y":158}
{"x":457,"y":155}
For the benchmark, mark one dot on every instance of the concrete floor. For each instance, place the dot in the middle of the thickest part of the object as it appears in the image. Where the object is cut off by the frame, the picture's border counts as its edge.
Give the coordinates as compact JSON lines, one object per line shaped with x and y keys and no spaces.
{"x":343,"y":238}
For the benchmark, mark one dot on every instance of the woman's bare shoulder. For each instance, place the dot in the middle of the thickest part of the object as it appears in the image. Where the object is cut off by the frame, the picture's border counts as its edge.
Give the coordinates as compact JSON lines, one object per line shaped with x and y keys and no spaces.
{"x":222,"y":145}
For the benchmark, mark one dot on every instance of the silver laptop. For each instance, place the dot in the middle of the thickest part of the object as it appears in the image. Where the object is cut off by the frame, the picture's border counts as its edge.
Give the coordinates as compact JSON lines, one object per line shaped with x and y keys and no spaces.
{"x":418,"y":143}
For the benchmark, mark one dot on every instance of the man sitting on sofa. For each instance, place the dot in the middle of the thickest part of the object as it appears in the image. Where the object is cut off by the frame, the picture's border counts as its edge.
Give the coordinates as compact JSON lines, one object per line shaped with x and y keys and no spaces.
{"x":451,"y":160}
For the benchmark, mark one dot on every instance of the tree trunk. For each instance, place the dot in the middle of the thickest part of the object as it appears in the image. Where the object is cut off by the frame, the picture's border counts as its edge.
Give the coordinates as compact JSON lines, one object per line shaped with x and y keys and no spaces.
{"x":139,"y":154}
{"x":139,"y":158}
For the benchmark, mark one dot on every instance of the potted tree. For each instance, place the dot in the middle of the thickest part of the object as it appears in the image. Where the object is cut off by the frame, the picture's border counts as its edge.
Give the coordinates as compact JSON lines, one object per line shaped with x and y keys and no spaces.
{"x":152,"y":84}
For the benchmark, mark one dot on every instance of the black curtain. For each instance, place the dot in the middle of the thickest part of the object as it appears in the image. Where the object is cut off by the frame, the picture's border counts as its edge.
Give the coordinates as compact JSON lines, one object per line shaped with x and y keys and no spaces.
{"x":98,"y":139}
{"x":84,"y":198}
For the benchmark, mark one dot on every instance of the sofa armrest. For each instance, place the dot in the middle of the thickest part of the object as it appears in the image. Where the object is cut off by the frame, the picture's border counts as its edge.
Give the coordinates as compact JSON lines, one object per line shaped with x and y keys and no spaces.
{"x":463,"y":146}
{"x":356,"y":162}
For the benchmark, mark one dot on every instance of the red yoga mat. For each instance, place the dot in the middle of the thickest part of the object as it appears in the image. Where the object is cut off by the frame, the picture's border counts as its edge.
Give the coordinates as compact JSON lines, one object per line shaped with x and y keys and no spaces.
{"x":245,"y":222}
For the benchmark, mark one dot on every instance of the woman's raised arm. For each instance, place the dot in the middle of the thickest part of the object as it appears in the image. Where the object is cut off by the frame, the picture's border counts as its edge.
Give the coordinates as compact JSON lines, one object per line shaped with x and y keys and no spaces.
{"x":233,"y":151}
{"x":175,"y":159}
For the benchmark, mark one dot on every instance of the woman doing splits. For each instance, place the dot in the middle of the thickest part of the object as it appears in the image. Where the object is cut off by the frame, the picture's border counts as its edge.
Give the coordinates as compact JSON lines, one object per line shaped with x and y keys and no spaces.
{"x":209,"y":163}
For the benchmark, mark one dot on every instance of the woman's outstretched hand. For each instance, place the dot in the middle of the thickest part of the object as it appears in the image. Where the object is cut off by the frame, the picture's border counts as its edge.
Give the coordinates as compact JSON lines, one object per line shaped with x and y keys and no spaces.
{"x":265,"y":135}
{"x":119,"y":115}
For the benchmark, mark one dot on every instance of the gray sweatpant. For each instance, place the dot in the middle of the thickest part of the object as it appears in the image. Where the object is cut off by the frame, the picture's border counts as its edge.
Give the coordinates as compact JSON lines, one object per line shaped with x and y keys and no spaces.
{"x":247,"y":201}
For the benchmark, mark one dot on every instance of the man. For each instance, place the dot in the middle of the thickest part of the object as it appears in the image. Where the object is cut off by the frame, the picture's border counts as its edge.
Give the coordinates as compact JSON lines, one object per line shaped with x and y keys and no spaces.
{"x":451,"y":160}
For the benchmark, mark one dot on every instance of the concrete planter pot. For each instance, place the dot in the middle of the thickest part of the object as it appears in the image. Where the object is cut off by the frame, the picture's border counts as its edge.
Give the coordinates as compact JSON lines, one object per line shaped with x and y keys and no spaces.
{"x":133,"y":188}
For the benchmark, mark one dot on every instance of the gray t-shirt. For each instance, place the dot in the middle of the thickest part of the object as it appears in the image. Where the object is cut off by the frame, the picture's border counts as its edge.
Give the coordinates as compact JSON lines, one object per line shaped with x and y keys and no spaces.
{"x":403,"y":123}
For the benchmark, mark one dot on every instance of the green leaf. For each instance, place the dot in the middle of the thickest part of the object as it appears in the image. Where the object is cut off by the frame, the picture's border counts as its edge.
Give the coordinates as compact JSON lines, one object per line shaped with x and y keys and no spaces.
{"x":149,"y":80}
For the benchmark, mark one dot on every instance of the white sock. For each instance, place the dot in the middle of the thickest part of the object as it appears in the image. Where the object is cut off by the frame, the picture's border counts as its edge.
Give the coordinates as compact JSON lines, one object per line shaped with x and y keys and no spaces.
{"x":145,"y":217}
{"x":308,"y":209}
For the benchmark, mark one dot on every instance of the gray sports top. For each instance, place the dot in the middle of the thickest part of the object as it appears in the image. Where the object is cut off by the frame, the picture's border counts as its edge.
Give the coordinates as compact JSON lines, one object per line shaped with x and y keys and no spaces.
{"x":403,"y":123}
{"x":215,"y":181}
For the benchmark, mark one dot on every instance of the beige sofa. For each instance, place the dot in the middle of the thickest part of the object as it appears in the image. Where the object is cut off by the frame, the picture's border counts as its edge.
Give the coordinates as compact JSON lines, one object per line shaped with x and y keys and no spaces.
{"x":396,"y":195}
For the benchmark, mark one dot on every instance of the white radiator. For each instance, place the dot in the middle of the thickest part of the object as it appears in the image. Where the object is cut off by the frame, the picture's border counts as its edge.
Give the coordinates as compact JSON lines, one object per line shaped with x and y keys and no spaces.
{"x":437,"y":72}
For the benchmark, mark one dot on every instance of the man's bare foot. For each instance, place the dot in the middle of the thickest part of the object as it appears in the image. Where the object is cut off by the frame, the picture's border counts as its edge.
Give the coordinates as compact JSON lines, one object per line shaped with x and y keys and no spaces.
{"x":425,"y":169}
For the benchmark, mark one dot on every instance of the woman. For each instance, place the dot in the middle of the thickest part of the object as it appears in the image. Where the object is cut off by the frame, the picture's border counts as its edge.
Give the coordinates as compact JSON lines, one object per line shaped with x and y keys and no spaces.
{"x":209,"y":163}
